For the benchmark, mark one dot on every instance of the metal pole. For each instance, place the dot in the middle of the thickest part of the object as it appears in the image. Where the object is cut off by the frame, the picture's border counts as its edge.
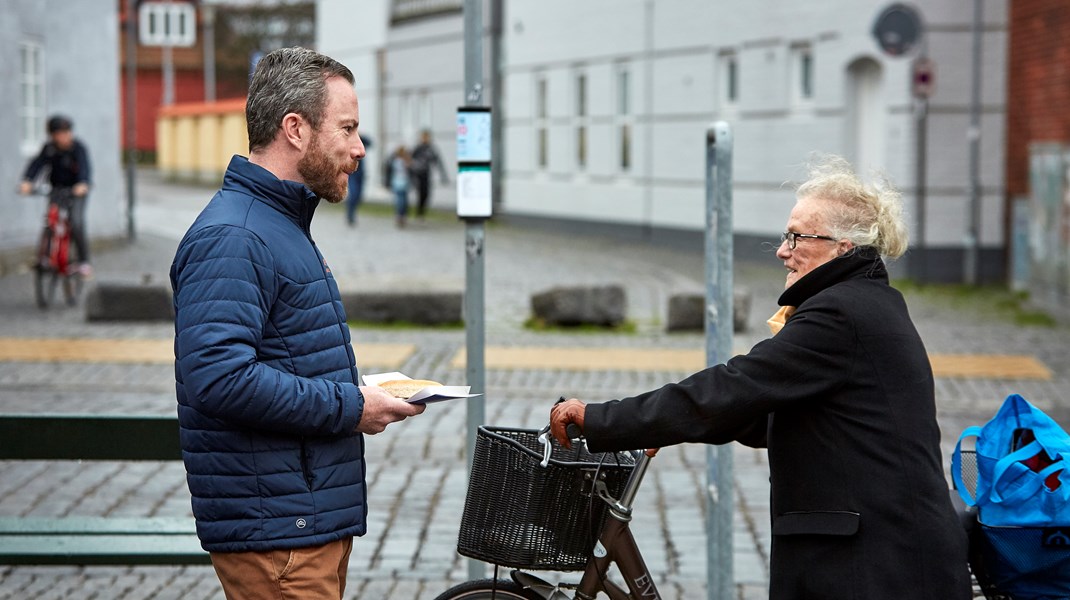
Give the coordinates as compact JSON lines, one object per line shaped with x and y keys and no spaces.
{"x":719,"y":476}
{"x":973,"y":235}
{"x":474,"y":235}
{"x":131,"y":115}
{"x":921,"y":107}
{"x":167,"y":63}
{"x":648,"y":55}
{"x":921,"y":123}
{"x":497,"y":161}
{"x":209,"y":53}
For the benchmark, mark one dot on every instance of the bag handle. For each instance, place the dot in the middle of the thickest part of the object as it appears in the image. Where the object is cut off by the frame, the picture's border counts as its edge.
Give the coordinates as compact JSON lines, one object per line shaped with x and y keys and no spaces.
{"x":956,"y":468}
{"x":1033,"y":484}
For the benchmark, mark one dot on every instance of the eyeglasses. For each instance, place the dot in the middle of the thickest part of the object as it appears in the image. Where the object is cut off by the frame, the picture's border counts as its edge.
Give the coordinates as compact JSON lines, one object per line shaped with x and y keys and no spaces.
{"x":792,"y":238}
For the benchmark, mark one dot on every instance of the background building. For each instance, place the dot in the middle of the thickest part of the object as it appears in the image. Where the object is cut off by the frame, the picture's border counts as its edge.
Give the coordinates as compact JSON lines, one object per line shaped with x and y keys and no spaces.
{"x":1038,"y":150}
{"x":606,"y":104}
{"x":62,"y":57}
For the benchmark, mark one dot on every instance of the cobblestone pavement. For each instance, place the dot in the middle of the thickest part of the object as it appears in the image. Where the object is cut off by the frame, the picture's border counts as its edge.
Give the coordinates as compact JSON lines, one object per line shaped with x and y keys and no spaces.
{"x":416,"y":468}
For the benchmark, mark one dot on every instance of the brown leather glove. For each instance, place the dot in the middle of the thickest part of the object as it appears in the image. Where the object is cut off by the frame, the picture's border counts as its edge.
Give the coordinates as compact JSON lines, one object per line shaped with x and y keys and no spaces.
{"x":563,"y":413}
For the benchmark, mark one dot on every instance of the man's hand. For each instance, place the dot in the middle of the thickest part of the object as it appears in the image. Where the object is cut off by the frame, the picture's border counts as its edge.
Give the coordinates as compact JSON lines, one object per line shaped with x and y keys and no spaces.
{"x":382,"y":409}
{"x":564,"y":413}
{"x":80,"y":189}
{"x":25,"y":188}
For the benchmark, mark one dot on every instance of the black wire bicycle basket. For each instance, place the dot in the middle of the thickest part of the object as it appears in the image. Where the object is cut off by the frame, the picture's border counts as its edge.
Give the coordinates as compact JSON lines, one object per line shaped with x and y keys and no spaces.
{"x":520,"y":514}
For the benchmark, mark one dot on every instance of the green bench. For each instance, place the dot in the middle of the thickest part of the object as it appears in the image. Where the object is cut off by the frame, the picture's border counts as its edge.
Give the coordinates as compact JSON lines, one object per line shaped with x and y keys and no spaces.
{"x":94,"y":540}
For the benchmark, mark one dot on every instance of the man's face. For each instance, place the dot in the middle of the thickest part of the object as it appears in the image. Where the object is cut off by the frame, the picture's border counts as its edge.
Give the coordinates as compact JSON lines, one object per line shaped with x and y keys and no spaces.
{"x":63,"y":139}
{"x":809,"y":253}
{"x":334,"y":150}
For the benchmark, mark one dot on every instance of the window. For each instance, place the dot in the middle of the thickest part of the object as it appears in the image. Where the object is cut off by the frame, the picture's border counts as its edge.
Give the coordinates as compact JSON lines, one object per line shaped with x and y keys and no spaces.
{"x":581,"y":120}
{"x":31,"y":96}
{"x":423,"y":111}
{"x":167,"y":24}
{"x":624,"y":116}
{"x":802,"y":80}
{"x":407,"y":124}
{"x":540,"y":121}
{"x":729,"y":79}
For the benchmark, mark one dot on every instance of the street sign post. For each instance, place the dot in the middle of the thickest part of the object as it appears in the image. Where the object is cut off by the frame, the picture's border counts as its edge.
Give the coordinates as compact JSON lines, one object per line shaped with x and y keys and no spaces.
{"x":473,"y":205}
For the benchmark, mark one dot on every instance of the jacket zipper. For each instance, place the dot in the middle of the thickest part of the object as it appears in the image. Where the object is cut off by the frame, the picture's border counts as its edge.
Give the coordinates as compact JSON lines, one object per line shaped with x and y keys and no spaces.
{"x":304,"y":465}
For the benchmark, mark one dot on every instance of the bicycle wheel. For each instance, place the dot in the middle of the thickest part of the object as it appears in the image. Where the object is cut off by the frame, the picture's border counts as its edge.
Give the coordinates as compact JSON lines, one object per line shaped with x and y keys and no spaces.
{"x":45,"y":282}
{"x":487,"y":589}
{"x":72,"y":288}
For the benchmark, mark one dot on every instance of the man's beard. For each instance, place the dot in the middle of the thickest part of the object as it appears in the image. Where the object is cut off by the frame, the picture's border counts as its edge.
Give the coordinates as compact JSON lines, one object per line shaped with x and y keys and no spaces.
{"x":321,"y":173}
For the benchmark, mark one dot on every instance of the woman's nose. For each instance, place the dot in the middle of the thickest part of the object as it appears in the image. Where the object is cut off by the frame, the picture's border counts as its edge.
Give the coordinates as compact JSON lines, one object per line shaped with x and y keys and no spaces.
{"x":783,"y":251}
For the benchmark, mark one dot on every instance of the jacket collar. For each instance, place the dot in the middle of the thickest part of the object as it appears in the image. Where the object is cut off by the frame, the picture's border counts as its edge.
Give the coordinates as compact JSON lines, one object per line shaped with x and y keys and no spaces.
{"x":863,"y":262}
{"x":290,"y":198}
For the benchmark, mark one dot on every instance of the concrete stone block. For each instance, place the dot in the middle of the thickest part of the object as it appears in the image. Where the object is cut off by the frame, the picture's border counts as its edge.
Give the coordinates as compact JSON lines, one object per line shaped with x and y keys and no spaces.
{"x":604,"y":305}
{"x":687,"y":311}
{"x":127,"y":301}
{"x":421,"y":302}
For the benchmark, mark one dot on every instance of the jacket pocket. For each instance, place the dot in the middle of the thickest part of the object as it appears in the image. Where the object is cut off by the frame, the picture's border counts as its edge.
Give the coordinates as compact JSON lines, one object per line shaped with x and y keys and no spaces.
{"x":306,"y":471}
{"x":831,"y":522}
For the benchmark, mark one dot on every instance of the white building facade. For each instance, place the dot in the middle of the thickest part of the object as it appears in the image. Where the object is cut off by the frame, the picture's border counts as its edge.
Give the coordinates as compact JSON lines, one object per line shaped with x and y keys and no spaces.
{"x":605,"y":106}
{"x":62,"y":58}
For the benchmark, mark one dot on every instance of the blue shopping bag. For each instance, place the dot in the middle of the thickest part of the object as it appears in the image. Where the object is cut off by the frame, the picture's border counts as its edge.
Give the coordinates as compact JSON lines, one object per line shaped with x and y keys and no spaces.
{"x":1023,"y":468}
{"x":1022,"y":496}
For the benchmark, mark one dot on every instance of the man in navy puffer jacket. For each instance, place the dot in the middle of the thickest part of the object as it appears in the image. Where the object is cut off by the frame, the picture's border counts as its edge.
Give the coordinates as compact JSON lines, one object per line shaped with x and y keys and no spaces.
{"x":269,"y":405}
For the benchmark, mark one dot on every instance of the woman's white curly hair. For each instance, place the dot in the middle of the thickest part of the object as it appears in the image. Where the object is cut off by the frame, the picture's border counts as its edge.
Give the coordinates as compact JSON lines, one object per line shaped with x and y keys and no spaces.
{"x":866,"y":215}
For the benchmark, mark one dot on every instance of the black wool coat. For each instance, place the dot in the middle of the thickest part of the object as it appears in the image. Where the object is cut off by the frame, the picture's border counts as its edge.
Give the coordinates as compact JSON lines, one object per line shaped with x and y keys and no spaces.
{"x":843,"y":398}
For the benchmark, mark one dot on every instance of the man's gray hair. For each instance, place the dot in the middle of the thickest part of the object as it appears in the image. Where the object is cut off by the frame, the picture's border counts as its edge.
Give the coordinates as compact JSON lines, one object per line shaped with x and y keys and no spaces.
{"x":288,"y":80}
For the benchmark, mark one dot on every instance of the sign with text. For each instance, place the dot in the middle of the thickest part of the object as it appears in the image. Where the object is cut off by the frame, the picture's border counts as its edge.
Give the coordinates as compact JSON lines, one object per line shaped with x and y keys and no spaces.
{"x":167,"y":24}
{"x":473,"y":162}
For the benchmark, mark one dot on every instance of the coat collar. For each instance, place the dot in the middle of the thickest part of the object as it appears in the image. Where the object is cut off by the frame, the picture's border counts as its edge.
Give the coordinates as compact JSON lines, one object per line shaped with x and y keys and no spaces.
{"x":290,"y":198}
{"x":863,"y":262}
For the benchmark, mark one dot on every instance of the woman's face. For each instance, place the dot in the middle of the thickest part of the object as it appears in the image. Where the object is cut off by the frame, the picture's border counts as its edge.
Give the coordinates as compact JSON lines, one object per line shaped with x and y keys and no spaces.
{"x":809,"y":253}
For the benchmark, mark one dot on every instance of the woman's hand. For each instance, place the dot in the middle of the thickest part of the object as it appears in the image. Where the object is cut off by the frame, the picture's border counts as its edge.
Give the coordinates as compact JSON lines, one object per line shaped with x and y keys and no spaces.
{"x":563,"y":414}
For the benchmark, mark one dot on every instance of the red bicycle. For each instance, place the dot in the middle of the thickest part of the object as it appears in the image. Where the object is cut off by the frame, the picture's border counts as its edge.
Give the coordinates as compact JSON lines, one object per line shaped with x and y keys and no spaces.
{"x":53,"y":265}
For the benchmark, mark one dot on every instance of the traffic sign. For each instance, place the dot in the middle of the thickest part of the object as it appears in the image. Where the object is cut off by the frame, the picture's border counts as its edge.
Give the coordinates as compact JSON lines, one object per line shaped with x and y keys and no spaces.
{"x":898,"y":29}
{"x":923,"y":78}
{"x":167,"y":23}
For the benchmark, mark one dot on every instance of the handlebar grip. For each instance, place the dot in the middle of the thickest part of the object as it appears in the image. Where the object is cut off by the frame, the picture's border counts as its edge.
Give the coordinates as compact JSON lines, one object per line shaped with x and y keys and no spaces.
{"x":572,"y":430}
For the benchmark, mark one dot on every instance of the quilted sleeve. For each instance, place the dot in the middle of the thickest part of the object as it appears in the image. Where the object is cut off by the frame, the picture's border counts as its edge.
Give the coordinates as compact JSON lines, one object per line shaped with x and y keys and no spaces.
{"x":224,"y":287}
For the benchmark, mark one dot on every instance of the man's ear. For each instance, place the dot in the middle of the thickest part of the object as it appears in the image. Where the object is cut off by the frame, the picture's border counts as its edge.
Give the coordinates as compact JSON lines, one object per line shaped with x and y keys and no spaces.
{"x":296,"y":130}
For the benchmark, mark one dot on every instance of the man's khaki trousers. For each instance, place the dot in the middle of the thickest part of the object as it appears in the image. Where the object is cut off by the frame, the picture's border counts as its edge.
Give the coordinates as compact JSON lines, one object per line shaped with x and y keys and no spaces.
{"x":316,"y":573}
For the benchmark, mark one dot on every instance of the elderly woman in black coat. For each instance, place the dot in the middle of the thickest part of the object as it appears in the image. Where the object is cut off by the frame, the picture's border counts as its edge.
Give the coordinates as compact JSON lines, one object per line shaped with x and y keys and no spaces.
{"x":841,"y":395}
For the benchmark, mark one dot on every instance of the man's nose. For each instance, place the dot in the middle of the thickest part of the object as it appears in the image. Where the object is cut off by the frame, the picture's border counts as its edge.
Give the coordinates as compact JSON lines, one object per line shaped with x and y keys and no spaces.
{"x":359,"y":151}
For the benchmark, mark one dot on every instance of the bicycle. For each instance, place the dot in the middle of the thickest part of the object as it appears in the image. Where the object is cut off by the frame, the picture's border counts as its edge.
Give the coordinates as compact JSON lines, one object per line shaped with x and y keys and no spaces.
{"x":574,"y":515}
{"x":52,"y":265}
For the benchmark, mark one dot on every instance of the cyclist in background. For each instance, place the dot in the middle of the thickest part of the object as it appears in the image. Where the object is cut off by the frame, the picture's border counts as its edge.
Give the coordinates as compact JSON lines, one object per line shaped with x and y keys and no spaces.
{"x":68,"y":164}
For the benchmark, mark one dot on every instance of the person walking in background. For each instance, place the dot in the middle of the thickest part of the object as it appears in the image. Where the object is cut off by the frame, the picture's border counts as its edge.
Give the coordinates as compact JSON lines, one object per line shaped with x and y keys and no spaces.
{"x":67,"y":161}
{"x":270,"y":411}
{"x":424,"y":156}
{"x":356,"y":187}
{"x":842,"y":396}
{"x":399,"y":184}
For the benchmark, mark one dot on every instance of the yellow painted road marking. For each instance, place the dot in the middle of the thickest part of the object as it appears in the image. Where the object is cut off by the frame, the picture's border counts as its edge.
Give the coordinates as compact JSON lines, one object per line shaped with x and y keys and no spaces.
{"x":974,"y":366}
{"x":989,"y":366}
{"x":391,"y":356}
{"x":587,"y":359}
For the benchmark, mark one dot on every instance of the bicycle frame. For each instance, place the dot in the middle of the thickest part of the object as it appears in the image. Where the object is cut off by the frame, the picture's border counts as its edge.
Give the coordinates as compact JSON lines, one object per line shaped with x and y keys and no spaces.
{"x":53,"y":264}
{"x":615,"y":545}
{"x":59,"y":240}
